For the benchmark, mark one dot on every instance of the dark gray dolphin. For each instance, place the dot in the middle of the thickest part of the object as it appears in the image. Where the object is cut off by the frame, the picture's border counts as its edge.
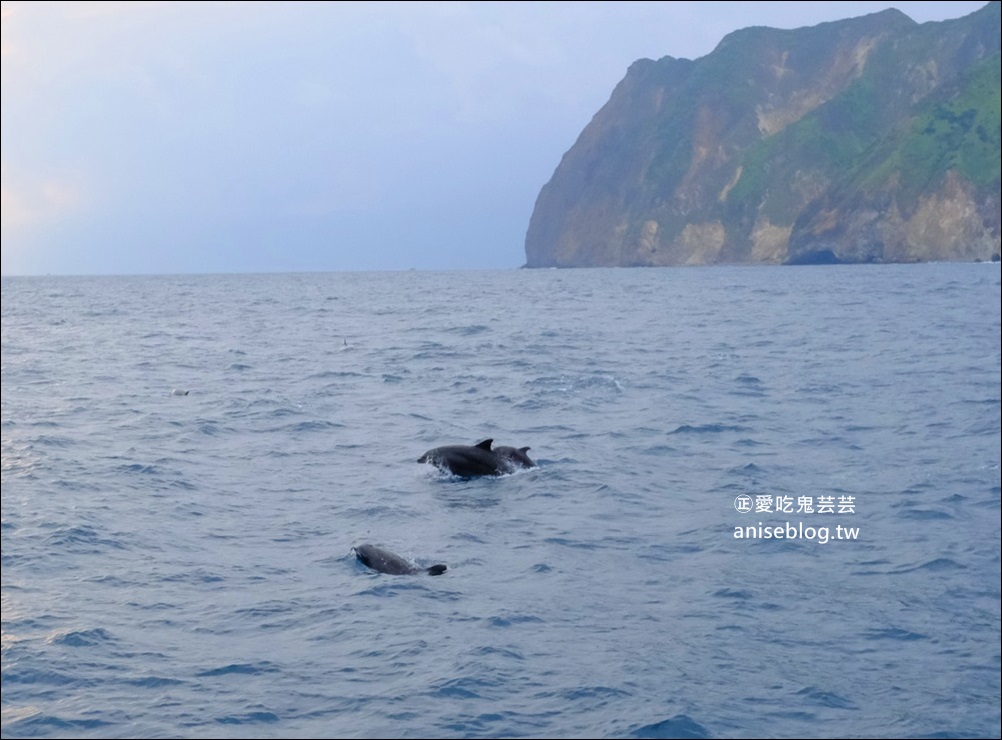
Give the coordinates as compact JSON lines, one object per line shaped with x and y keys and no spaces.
{"x":386,"y":562}
{"x":468,"y":461}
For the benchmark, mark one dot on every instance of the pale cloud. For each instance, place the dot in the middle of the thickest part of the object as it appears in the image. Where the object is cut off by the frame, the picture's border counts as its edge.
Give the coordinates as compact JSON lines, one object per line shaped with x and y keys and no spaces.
{"x":28,"y":209}
{"x":26,"y":204}
{"x":491,"y":60}
{"x":8,"y":49}
{"x":107,"y":8}
{"x":310,"y":93}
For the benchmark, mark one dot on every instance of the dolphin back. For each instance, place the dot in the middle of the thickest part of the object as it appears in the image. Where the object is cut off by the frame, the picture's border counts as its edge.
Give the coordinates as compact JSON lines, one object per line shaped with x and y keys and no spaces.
{"x":385,"y":561}
{"x":515,"y":457}
{"x":468,"y":461}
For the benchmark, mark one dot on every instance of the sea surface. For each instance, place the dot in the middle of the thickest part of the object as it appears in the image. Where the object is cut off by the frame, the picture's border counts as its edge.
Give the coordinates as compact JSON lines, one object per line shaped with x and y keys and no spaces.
{"x":182,"y":565}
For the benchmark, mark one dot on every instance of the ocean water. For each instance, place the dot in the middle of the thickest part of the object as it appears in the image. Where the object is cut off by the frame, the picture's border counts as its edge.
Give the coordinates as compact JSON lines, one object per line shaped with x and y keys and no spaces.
{"x":181,"y":566}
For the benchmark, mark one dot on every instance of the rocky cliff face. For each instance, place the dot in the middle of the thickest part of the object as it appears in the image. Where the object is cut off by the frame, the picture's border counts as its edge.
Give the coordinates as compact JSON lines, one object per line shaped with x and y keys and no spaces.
{"x":869,"y":139}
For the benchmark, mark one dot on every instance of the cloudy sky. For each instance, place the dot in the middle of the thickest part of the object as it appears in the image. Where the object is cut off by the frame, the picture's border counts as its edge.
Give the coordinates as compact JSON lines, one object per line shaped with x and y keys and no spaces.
{"x":149,"y":137}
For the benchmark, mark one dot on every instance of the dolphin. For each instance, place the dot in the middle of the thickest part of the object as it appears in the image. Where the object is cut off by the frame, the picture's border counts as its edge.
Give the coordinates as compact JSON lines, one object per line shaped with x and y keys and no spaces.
{"x":386,"y":562}
{"x":468,"y":461}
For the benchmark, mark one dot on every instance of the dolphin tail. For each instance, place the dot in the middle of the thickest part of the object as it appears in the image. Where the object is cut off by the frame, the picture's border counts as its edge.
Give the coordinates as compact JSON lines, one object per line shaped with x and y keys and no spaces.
{"x":437,"y":570}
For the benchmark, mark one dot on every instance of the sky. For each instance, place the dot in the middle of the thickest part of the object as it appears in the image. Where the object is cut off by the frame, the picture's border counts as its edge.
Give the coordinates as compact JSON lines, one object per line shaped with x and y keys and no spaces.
{"x":220,"y":137}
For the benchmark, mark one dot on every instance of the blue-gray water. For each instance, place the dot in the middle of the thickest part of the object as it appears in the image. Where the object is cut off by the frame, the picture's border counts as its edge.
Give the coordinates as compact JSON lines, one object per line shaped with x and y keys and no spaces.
{"x":180,"y":566}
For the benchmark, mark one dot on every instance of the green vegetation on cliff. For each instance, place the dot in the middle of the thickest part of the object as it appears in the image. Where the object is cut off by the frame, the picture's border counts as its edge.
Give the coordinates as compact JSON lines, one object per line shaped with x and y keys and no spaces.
{"x":961,"y":133}
{"x":869,"y":139}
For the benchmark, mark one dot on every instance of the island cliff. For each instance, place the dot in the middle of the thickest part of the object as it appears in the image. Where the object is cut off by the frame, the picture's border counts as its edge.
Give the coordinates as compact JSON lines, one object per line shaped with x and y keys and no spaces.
{"x":872,"y":139}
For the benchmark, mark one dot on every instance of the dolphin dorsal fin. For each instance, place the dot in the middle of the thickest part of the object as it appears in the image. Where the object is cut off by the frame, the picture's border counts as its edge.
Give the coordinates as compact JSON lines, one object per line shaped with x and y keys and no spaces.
{"x":486,"y":445}
{"x":523,"y":449}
